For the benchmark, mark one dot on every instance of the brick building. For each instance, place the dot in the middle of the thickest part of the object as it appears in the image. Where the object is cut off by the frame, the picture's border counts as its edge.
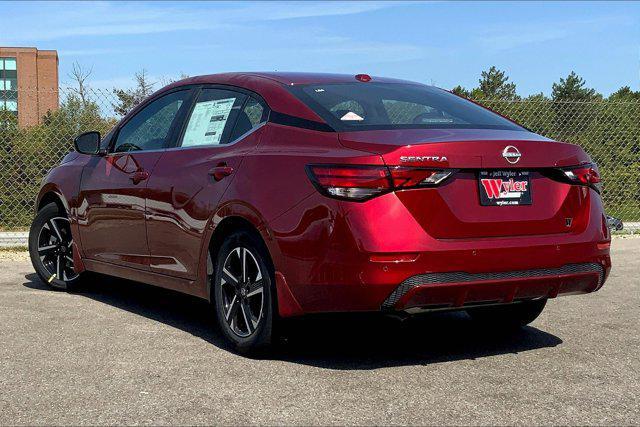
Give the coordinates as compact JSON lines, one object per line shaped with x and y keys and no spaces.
{"x":28,"y":82}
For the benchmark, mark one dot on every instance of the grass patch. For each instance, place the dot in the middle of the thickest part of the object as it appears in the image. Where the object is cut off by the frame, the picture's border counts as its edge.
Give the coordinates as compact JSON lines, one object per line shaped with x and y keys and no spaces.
{"x":22,"y":248}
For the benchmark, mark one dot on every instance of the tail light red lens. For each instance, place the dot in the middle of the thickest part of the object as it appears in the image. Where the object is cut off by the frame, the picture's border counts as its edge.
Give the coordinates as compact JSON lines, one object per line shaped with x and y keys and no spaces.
{"x":362,"y":182}
{"x":584,"y":175}
{"x":349,"y":182}
{"x":352,"y":176}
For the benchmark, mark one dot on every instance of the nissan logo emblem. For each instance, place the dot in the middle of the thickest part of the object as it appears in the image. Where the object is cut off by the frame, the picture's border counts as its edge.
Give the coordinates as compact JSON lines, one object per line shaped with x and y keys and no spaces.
{"x":511,"y":154}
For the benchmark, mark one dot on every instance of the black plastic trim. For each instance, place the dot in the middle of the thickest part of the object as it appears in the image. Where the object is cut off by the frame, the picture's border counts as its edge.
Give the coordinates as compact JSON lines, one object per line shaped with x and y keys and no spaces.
{"x":461,"y":276}
{"x":287,"y":120}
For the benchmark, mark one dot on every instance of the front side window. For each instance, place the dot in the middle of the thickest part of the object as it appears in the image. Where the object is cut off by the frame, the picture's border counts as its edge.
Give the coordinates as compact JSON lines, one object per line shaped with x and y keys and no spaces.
{"x":149,"y":128}
{"x":212,"y":117}
{"x":372,"y":106}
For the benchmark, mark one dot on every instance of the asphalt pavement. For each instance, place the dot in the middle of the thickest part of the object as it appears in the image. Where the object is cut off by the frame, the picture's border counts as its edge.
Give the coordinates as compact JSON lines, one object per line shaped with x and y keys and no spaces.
{"x":119,"y":352}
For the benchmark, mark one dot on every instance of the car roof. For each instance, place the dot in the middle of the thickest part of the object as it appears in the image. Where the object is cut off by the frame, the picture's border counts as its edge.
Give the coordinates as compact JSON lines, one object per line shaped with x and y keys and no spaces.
{"x":271,"y":86}
{"x":286,"y":78}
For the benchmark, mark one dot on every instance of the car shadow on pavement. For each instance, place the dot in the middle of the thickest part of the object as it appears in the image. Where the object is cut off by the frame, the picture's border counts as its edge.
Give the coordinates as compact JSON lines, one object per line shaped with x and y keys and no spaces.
{"x":332,"y":341}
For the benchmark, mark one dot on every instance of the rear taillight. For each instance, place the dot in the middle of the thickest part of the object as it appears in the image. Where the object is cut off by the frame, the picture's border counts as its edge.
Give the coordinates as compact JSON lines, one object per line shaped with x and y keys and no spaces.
{"x":586,"y":174}
{"x":404,"y":177}
{"x":349,"y":182}
{"x":362,"y":182}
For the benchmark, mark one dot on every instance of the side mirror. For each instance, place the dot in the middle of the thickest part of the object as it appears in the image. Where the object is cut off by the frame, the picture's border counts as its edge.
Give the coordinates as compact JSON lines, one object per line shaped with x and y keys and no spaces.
{"x":88,"y":143}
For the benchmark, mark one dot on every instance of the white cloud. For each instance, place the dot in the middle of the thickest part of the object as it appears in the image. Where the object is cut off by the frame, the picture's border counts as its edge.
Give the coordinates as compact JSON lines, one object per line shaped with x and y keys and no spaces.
{"x":508,"y":36}
{"x":275,"y":11}
{"x":50,"y":21}
{"x":90,"y":52}
{"x":499,"y":41}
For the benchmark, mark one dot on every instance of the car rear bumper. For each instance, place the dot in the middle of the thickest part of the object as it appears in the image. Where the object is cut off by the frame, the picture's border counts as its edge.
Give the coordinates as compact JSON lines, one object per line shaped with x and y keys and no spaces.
{"x":333,"y":259}
{"x":451,"y":279}
{"x":452,"y":290}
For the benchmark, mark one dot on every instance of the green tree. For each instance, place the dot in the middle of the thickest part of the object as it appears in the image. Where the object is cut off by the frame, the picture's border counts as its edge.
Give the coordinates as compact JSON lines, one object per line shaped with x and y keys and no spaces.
{"x":27,"y":154}
{"x":8,"y":133}
{"x":625,"y":94}
{"x":537,"y":97}
{"x":613,"y":141}
{"x":574,"y":106}
{"x":573,"y":88}
{"x":494,"y":84}
{"x":129,"y":98}
{"x":461,"y":91}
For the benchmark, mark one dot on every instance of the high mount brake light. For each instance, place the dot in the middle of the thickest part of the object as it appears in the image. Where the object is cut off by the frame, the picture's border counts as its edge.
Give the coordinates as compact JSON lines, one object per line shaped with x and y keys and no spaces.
{"x":586,"y":174}
{"x":362,"y":182}
{"x":363,"y":78}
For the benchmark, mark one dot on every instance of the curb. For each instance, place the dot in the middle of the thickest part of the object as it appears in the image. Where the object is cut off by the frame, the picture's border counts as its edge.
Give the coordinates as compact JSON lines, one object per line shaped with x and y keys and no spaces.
{"x":10,"y":239}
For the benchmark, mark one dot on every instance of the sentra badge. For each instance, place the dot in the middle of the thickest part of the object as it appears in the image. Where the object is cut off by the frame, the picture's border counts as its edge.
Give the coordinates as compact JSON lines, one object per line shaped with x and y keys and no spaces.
{"x":423,"y":159}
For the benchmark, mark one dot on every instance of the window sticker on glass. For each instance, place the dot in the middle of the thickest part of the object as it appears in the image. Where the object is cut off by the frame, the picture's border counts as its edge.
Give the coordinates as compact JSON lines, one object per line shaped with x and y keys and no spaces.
{"x":207,"y":122}
{"x":351,"y":116}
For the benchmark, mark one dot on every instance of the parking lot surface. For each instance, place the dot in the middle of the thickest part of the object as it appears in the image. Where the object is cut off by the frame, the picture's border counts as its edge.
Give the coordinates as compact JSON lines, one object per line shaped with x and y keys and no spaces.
{"x":118,"y":352}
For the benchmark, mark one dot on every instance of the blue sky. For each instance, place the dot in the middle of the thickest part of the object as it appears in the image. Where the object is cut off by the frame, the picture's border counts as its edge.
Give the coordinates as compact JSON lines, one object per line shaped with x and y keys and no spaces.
{"x":434,"y":42}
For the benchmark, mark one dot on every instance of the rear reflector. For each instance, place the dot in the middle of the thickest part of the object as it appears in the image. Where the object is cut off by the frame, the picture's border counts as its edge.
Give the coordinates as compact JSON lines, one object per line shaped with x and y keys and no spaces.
{"x":362,"y":182}
{"x":393,"y":258}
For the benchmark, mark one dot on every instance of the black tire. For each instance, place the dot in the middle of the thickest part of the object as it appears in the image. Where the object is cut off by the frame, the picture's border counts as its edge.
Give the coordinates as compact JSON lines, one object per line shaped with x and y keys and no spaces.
{"x":50,"y":249}
{"x":248,"y":328}
{"x":509,"y":316}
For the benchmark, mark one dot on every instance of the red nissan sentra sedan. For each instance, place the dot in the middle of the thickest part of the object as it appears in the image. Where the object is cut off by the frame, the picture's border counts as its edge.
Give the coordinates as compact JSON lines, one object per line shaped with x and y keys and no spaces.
{"x":278,"y":194}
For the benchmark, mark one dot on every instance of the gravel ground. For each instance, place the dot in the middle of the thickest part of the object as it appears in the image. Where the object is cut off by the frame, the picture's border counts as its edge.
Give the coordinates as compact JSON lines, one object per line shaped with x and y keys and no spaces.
{"x":124,"y":353}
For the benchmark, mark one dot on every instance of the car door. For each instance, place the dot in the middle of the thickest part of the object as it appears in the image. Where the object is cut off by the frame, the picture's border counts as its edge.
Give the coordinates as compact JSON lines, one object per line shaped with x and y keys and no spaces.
{"x":190,"y":179}
{"x":113,"y":187}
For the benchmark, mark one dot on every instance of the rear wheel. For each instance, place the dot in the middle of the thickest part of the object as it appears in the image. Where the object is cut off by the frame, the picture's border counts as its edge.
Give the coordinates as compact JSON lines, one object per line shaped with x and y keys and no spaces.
{"x":243,"y":293}
{"x":508,"y":316}
{"x":50,"y":248}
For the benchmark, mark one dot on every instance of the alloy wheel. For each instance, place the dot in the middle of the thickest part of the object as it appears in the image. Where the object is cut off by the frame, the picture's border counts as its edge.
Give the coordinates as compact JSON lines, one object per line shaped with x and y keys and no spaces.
{"x":242,"y":288}
{"x":55,"y":250}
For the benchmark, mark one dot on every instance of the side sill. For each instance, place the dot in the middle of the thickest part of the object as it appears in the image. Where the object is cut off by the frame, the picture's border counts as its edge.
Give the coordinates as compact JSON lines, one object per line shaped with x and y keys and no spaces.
{"x":156,"y":279}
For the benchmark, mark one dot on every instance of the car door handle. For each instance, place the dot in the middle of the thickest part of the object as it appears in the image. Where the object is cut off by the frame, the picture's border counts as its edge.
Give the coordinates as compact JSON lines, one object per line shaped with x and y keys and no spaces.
{"x":139,"y":176}
{"x":220,"y":171}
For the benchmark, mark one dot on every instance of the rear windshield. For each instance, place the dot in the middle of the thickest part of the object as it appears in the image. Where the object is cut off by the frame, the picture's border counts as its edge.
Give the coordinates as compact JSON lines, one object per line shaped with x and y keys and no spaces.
{"x":372,"y":106}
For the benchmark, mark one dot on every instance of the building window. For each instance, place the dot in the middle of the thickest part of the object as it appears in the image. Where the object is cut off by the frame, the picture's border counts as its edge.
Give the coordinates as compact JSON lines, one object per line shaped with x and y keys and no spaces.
{"x":9,"y":85}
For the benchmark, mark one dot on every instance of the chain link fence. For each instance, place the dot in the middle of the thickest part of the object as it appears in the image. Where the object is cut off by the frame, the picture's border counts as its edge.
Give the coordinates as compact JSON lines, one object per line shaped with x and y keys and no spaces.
{"x":608,"y":130}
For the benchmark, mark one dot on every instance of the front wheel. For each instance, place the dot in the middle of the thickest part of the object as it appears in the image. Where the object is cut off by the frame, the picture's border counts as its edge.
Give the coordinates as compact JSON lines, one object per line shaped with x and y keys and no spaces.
{"x":508,"y":316}
{"x":243,"y":293}
{"x":50,"y":248}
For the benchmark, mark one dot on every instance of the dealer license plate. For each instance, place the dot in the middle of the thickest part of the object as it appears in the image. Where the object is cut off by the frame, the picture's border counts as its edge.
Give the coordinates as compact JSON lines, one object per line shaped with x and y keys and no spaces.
{"x":504,"y":188}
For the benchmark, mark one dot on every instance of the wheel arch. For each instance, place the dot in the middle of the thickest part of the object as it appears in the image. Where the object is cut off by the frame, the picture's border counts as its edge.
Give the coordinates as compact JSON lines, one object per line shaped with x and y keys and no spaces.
{"x":51,"y":195}
{"x":224,"y":228}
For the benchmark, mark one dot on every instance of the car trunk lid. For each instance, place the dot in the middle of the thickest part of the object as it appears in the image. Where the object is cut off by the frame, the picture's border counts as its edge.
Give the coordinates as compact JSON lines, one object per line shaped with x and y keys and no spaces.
{"x":456,"y":209}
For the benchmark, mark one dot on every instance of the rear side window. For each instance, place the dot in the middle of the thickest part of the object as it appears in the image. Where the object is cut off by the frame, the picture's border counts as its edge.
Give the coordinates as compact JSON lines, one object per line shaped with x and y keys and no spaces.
{"x":362,"y":106}
{"x":252,"y":114}
{"x":212,"y":117}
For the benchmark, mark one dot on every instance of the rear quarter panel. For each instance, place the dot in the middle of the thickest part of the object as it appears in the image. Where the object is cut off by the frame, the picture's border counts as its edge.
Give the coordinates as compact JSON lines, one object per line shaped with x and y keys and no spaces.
{"x":303,"y":230}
